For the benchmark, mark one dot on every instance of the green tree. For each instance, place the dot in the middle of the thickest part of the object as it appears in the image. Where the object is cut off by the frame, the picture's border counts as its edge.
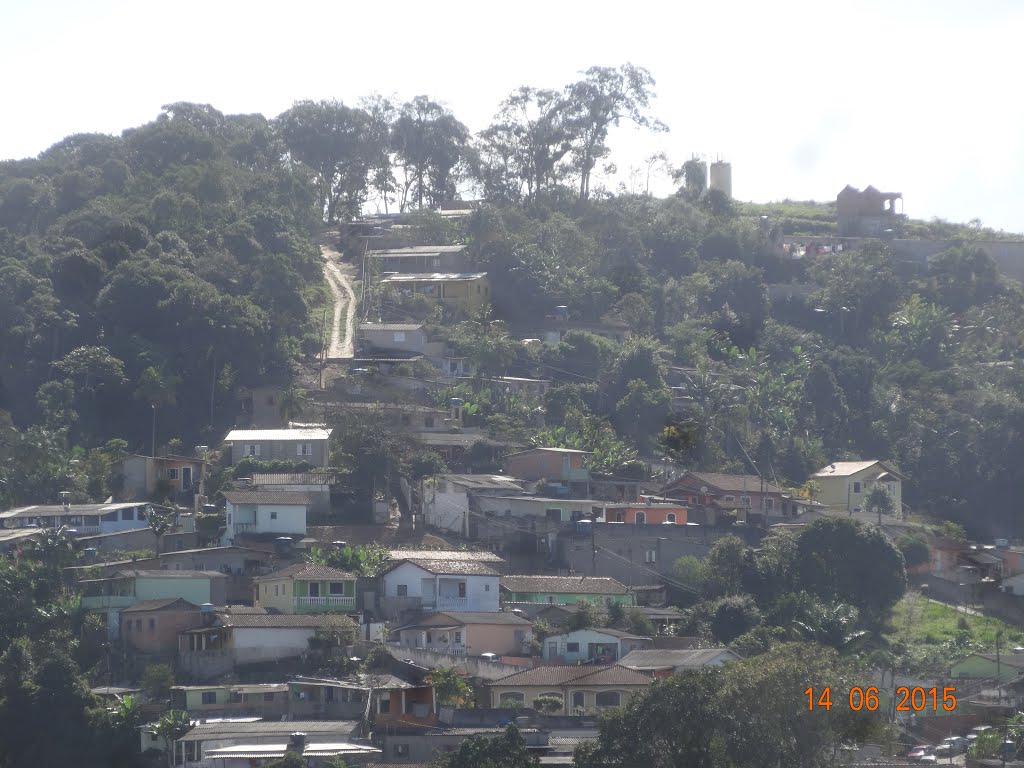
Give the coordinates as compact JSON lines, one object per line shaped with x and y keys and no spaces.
{"x":429,"y":143}
{"x":506,"y":751}
{"x":879,"y":502}
{"x":548,"y":704}
{"x":449,"y":686}
{"x":587,"y":616}
{"x":291,"y":403}
{"x":156,"y":681}
{"x":172,"y":725}
{"x":733,"y":616}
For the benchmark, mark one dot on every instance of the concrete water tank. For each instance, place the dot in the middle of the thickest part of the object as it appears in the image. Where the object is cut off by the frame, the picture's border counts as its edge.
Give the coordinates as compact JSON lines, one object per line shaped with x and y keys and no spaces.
{"x":721,"y":177}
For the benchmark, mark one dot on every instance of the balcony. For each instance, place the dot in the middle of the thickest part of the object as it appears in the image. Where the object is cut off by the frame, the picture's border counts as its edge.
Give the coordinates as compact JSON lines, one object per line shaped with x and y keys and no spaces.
{"x":324,"y":604}
{"x":446,"y":604}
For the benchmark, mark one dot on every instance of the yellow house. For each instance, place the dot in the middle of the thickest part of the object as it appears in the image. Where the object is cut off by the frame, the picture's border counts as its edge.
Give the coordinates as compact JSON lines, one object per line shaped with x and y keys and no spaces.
{"x":845,"y":485}
{"x":467,"y":291}
{"x":307,"y":588}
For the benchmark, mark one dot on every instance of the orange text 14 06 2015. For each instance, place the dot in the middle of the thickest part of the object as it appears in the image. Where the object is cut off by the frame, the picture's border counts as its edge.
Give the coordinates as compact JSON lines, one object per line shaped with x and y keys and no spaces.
{"x":916,"y":699}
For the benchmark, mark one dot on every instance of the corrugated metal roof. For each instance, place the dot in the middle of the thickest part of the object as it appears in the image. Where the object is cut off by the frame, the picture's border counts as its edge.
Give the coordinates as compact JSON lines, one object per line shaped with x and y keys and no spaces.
{"x":489,"y":482}
{"x":286,"y":620}
{"x":444,"y":554}
{"x":578,"y":675}
{"x":284,"y":435}
{"x":847,"y":468}
{"x":315,"y":730}
{"x":417,"y":250}
{"x":157,"y":605}
{"x":438,"y":277}
{"x":662,"y":658}
{"x":390,"y":326}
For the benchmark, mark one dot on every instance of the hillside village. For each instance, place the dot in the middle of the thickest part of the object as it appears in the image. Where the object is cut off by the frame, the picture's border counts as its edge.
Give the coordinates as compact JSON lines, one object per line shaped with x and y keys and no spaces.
{"x":544,"y":476}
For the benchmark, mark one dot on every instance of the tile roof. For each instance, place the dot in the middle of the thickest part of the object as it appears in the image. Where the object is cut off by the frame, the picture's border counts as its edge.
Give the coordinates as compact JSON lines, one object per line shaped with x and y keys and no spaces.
{"x":207,"y":551}
{"x":293,"y":478}
{"x":725,"y":482}
{"x":614,"y":674}
{"x":847,"y":468}
{"x":619,"y":633}
{"x":283,"y":620}
{"x":573,"y":585}
{"x":307,"y":571}
{"x":445,"y":567}
{"x":474,"y":617}
{"x":444,"y":554}
{"x":314,"y":729}
{"x":269,"y":497}
{"x":157,"y":605}
{"x":659,"y":658}
{"x":284,"y":435}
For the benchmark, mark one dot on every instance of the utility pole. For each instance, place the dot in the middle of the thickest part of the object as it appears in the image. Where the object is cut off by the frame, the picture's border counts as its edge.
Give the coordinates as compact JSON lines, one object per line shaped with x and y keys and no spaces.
{"x":593,"y":546}
{"x":999,"y":676}
{"x":153,"y":447}
{"x":849,"y":487}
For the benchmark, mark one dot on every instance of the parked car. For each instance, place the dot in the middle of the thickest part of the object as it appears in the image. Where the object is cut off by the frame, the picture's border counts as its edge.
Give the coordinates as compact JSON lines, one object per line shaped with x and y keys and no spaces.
{"x":953,"y":745}
{"x":929,"y":760}
{"x":920,"y":751}
{"x":976,"y":730}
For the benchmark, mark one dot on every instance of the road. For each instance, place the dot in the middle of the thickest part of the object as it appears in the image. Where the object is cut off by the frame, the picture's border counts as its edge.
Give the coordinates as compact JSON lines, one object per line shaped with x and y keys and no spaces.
{"x":340,"y":281}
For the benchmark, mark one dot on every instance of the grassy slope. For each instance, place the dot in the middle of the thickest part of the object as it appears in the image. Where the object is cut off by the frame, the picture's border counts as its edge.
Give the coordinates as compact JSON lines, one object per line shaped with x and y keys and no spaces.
{"x":923,"y":623}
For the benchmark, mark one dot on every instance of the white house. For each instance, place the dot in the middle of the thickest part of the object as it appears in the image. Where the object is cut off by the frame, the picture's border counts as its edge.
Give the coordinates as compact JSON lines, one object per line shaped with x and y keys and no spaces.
{"x":446,"y":500}
{"x":440,"y":585}
{"x":602,"y":646}
{"x":86,"y":519}
{"x":307,"y":444}
{"x":281,"y":512}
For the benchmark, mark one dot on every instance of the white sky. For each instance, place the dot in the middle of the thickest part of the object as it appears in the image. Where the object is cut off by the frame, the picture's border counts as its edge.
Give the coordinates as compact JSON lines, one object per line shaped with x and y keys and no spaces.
{"x":801,"y":96}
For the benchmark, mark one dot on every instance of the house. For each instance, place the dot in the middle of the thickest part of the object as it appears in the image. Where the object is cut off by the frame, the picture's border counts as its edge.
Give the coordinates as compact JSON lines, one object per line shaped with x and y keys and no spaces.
{"x":315,"y":485}
{"x":418,"y":259}
{"x":239,"y":564}
{"x":239,"y":638}
{"x":581,"y":688}
{"x":715,"y":490}
{"x":447,"y":499}
{"x":307,"y":445}
{"x":391,"y":698}
{"x":85,"y":519}
{"x":557,"y":466}
{"x":407,"y":416}
{"x":412,"y":746}
{"x":152,"y":626}
{"x":148,"y":477}
{"x":264,"y":512}
{"x":989,"y":667}
{"x":869,"y":213}
{"x":410,"y":339}
{"x":663,"y":617}
{"x":597,"y":646}
{"x":564,"y":590}
{"x":647,"y":513}
{"x":420,"y":584}
{"x":193,"y":750}
{"x":558,"y":324}
{"x":306,"y":588}
{"x":462,"y":633}
{"x":663,"y":662}
{"x":454,"y":446}
{"x":127,"y":587}
{"x":268,"y":700}
{"x":845,"y":485}
{"x":463,"y":291}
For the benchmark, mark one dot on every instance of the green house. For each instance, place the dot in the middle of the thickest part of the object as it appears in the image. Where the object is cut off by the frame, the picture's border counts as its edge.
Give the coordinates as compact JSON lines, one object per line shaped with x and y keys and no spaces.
{"x":307,"y":588}
{"x":565,"y":590}
{"x":987,"y":666}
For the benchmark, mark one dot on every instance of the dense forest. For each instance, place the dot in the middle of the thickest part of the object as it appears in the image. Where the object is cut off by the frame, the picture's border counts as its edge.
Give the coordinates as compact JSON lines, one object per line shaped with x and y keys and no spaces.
{"x":145,"y":278}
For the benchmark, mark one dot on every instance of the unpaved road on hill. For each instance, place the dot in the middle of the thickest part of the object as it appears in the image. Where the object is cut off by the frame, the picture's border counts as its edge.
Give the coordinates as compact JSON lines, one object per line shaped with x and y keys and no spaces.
{"x":339,"y":278}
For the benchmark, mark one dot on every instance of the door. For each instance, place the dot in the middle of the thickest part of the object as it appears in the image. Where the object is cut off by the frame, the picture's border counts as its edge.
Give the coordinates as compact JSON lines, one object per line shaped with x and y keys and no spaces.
{"x":314,"y":589}
{"x":552,"y":650}
{"x":186,"y":478}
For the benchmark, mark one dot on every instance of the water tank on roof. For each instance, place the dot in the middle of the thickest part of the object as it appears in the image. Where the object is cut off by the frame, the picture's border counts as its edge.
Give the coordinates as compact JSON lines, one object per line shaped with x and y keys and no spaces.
{"x":283,"y":546}
{"x":562,"y":312}
{"x":584,"y":527}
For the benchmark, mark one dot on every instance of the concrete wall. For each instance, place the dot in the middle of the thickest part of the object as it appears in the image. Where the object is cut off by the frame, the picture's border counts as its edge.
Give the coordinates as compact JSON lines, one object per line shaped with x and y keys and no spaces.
{"x":408,"y":341}
{"x":266,"y":518}
{"x":140,"y":538}
{"x":162,"y":635}
{"x":255,"y":644}
{"x":197,"y":590}
{"x":446,"y":511}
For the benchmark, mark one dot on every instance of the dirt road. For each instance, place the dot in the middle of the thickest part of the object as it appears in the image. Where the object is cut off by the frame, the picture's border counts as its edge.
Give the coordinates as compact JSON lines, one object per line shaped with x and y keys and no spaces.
{"x":339,"y":279}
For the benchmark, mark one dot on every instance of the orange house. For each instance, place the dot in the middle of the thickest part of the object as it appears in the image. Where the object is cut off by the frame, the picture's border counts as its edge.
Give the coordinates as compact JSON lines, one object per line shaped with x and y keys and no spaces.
{"x":646,"y":514}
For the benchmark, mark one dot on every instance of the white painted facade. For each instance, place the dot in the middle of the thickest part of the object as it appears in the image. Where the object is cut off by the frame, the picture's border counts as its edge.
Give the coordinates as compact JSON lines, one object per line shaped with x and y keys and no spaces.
{"x":263,"y":518}
{"x":447,"y":511}
{"x":443,"y":592}
{"x":256,"y":644}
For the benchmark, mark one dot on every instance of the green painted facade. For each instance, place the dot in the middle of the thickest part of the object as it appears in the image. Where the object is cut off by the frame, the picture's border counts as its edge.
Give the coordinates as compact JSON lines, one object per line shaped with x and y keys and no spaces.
{"x":979,"y":667}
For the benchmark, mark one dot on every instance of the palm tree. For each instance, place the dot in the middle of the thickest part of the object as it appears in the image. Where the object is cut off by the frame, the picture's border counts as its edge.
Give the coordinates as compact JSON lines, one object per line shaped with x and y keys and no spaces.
{"x":832,"y":625}
{"x":173,"y":725}
{"x":291,"y":403}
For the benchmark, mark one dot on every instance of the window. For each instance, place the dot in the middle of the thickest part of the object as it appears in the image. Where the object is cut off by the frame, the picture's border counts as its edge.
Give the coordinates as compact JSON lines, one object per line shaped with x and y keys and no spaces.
{"x":462,"y":589}
{"x":336,"y":588}
{"x":405,"y":420}
{"x":745,"y":501}
{"x":458,"y":636}
{"x":236,"y":697}
{"x":553,"y":514}
{"x":670,"y":517}
{"x":273,"y":514}
{"x":152,"y":625}
{"x":304,"y":449}
{"x":487,"y":587}
{"x":769,"y":504}
{"x":608,"y":699}
{"x":430,"y":637}
{"x":252,"y":450}
{"x":572,"y":647}
{"x":128,"y":514}
{"x":384,"y":706}
{"x":172,"y":473}
{"x":402,"y":590}
{"x":110,"y":517}
{"x":641,"y":518}
{"x":891,"y":487}
{"x":401,"y":750}
{"x":729,"y":498}
{"x":579,"y":700}
{"x":399,"y":336}
{"x":856,"y":486}
{"x":138,"y":625}
{"x":276,"y":593}
{"x":651,"y":556}
{"x":268,"y":696}
{"x":209,"y":697}
{"x":128,"y":626}
{"x":512,"y":696}
{"x":428,"y":422}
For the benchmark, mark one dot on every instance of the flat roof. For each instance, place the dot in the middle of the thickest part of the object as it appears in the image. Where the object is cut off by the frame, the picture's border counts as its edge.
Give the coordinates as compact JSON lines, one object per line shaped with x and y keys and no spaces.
{"x":416,"y":250}
{"x":46,"y":510}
